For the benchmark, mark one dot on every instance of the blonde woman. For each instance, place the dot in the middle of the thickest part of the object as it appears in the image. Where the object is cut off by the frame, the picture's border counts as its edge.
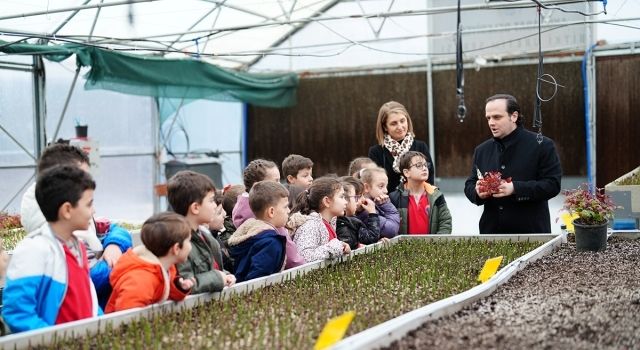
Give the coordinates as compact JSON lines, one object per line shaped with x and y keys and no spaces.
{"x":394,"y":132}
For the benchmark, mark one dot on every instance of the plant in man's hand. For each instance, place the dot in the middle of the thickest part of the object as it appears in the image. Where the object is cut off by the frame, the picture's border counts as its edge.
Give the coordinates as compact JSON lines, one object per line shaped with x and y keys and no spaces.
{"x":491,"y":181}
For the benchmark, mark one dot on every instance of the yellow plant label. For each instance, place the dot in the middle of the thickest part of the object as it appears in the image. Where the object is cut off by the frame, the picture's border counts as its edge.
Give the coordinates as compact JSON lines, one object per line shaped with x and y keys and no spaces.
{"x":334,"y":330}
{"x":567,"y":219}
{"x":489,"y":269}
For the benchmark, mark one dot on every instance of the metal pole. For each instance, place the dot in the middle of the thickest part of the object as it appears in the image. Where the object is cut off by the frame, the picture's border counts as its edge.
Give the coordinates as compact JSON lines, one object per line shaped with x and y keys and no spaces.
{"x":430,"y":116}
{"x":39,"y":107}
{"x":591,"y":73}
{"x":73,"y":8}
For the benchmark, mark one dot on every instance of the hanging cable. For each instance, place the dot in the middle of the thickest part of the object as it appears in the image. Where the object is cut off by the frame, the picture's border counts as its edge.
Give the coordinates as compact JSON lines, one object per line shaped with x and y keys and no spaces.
{"x":542,"y":77}
{"x":537,"y":112}
{"x":461,"y":111}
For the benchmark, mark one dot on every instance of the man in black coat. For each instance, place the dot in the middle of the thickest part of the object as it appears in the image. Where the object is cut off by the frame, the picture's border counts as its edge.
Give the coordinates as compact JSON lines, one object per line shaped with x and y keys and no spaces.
{"x":520,"y":206}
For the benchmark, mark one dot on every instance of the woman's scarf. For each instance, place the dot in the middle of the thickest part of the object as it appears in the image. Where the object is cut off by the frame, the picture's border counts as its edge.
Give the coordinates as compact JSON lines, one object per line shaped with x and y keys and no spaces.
{"x":397,"y":149}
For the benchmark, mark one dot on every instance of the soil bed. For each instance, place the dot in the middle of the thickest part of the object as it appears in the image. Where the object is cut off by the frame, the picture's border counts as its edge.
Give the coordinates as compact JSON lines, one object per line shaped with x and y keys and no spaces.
{"x":379,"y":286}
{"x":566,"y":300}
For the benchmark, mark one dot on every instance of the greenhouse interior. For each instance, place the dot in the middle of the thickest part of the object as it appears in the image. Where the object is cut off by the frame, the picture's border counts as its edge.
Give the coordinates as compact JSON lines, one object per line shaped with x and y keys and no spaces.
{"x":297,"y":174}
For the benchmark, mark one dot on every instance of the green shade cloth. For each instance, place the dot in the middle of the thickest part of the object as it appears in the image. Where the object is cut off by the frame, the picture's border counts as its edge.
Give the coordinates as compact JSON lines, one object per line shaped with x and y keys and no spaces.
{"x":188,"y":79}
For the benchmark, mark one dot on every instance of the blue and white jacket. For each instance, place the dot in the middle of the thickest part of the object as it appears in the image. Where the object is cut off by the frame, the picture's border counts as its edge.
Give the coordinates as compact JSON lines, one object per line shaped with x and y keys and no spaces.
{"x":36,"y":283}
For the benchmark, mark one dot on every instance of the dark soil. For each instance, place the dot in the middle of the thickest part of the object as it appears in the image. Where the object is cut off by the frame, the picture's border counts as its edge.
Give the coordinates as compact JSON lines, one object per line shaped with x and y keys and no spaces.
{"x":567,"y":300}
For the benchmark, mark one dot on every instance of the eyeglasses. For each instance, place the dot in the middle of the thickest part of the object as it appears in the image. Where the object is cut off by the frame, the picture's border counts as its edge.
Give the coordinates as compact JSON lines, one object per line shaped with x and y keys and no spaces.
{"x":420,"y":165}
{"x":355,"y":198}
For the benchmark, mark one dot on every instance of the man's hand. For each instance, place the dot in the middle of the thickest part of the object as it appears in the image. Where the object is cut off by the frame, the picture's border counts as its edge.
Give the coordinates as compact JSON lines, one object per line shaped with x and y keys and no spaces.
{"x":482,"y":195}
{"x":111,"y":255}
{"x":505,"y":189}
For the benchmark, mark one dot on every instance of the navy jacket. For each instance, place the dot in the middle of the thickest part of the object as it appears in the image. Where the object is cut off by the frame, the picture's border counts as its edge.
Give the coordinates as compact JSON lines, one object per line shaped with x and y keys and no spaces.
{"x":536,"y":174}
{"x":257,"y":249}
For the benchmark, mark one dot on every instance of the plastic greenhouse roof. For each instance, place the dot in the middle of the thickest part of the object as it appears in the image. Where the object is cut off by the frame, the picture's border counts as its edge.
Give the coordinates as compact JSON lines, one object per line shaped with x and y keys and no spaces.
{"x":281,"y":34}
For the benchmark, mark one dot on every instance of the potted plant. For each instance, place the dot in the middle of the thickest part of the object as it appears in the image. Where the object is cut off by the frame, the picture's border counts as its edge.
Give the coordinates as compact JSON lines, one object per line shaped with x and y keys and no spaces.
{"x":593,"y":208}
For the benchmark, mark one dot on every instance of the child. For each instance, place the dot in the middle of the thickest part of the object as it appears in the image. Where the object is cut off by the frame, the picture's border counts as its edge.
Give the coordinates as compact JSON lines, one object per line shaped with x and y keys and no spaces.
{"x":358,"y":164}
{"x":146,"y":274}
{"x":316,"y":238}
{"x":218,"y":231}
{"x":422,"y":207}
{"x":48,"y":276}
{"x":256,"y":246}
{"x":348,"y":227}
{"x":375,"y":188}
{"x":192,"y":195}
{"x":260,"y":170}
{"x":103,"y":248}
{"x":229,"y":198}
{"x":297,"y":170}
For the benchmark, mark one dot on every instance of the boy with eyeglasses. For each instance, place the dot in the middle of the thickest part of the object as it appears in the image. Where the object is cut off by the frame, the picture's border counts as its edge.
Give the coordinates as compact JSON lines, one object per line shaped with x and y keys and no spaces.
{"x":422,"y":207}
{"x":349,"y":228}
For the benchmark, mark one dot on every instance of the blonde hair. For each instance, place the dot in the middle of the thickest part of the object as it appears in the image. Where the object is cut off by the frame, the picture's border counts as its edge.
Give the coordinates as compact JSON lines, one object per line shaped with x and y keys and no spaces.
{"x":366,"y":174}
{"x":384,"y":112}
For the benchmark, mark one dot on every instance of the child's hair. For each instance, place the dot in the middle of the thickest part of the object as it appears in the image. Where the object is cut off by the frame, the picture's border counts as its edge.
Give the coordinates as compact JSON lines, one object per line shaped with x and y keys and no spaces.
{"x":61,"y":154}
{"x":264,"y":194}
{"x":358,"y":164}
{"x":61,"y":184}
{"x":311,"y":199}
{"x":366,"y":174}
{"x":161,"y":231}
{"x":187,"y":187}
{"x":294,"y":163}
{"x":351,"y":181}
{"x":294,"y":192}
{"x":230,"y":197}
{"x":256,"y":171}
{"x":405,"y":160}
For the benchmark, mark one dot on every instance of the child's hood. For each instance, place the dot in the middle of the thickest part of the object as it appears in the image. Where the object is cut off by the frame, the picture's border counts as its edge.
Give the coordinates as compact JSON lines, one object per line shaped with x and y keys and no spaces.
{"x":295,"y":220}
{"x":241,"y":211}
{"x":139,"y":259}
{"x":250,"y":228}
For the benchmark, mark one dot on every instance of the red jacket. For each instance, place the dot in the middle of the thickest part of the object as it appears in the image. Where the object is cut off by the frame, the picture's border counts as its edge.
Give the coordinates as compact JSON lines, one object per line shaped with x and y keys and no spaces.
{"x":138,"y":280}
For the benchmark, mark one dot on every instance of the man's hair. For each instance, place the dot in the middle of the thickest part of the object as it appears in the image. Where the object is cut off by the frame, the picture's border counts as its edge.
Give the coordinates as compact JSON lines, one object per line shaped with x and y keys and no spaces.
{"x":256,"y":171}
{"x":264,"y":194}
{"x":187,"y":187}
{"x":161,"y":231}
{"x":405,"y":160}
{"x":61,"y":154}
{"x":357,"y":164}
{"x":61,"y":184}
{"x":294,"y":163}
{"x":351,"y":181}
{"x":512,"y":105}
{"x":230,"y":197}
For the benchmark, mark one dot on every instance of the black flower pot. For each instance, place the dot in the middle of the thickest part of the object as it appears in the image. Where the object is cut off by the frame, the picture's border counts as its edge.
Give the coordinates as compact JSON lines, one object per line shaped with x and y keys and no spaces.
{"x":591,"y":237}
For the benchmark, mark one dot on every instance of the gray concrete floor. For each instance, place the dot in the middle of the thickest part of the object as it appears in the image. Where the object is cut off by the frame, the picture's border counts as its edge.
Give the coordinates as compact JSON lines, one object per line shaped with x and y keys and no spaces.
{"x":466,"y":215}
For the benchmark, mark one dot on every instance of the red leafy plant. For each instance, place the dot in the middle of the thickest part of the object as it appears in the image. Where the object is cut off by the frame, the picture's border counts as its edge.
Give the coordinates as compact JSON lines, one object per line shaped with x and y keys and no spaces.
{"x":592,"y":207}
{"x":491,"y":181}
{"x":8,"y":221}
